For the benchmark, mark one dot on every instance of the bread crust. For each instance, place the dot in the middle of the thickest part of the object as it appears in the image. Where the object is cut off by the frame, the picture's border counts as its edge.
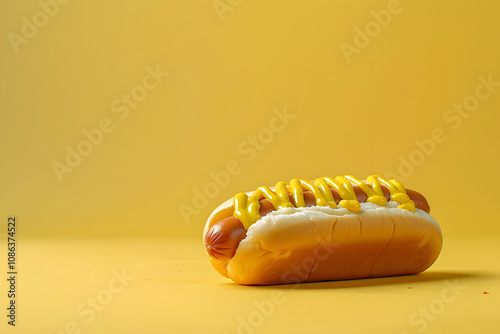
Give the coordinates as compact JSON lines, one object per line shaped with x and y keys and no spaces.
{"x":320,"y":244}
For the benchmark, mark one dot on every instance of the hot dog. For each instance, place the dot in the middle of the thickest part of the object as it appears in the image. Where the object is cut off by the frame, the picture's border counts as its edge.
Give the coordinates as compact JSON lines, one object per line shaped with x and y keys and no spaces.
{"x":332,"y":201}
{"x":224,"y":236}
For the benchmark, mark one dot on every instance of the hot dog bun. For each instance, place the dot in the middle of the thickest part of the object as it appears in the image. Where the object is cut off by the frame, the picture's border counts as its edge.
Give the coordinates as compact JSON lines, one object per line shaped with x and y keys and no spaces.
{"x":318,"y":243}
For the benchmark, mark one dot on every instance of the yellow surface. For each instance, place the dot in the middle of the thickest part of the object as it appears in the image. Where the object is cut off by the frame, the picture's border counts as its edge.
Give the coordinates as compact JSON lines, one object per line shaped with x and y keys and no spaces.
{"x":174,"y":94}
{"x":171,"y":288}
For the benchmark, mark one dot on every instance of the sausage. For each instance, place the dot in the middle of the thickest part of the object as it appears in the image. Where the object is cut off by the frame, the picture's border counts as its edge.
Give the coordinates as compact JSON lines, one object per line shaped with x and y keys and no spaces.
{"x":419,"y":199}
{"x":224,"y":237}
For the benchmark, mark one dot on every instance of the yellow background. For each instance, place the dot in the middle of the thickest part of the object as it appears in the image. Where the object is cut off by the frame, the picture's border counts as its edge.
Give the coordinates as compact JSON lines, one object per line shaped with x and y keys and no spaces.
{"x":226,"y":76}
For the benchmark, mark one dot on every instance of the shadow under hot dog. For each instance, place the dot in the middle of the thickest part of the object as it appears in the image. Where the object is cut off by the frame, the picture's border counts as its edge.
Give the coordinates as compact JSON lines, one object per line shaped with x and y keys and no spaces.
{"x":431,"y":276}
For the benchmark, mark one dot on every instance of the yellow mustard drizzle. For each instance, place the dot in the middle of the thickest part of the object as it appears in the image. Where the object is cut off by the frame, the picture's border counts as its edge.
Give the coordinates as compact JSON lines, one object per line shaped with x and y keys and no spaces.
{"x":246,"y":208}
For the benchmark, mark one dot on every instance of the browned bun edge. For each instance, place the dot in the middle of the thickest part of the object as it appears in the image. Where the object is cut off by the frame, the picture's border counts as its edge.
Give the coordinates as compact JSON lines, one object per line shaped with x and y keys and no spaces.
{"x":321,"y":244}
